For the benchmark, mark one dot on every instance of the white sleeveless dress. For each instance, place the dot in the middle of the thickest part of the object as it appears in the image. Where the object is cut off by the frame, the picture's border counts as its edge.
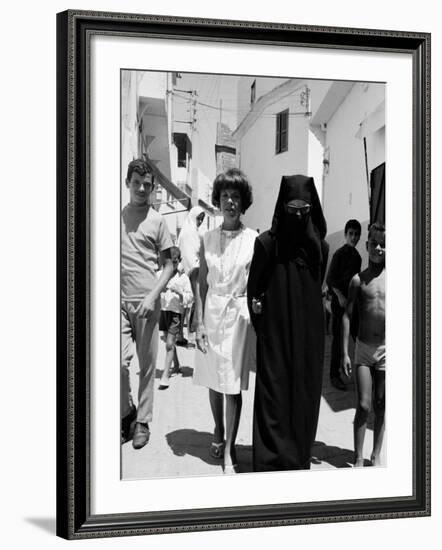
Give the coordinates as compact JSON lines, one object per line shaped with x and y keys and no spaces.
{"x":231,"y":351}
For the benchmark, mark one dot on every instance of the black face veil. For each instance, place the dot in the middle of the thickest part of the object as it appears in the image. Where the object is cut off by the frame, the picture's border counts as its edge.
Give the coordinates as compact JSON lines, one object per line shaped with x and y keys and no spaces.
{"x":299,"y":237}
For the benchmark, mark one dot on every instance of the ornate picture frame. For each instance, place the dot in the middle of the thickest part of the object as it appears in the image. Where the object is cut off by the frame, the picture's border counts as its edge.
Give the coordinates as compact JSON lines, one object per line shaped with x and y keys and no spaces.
{"x":75,"y":516}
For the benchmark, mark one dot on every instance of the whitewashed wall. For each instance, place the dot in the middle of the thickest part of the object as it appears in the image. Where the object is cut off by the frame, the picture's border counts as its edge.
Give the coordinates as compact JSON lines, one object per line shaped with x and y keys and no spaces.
{"x":264,"y":168}
{"x":129,"y":132}
{"x":345,"y":186}
{"x":262,"y":87}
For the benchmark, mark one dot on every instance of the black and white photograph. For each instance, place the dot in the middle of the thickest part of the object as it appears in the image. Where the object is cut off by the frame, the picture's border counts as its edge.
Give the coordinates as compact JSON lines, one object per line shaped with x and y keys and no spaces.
{"x":205,"y":343}
{"x":226,"y":300}
{"x":253,"y":254}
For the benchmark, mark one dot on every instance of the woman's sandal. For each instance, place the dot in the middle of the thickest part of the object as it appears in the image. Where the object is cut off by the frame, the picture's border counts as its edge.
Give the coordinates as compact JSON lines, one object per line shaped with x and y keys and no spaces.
{"x":231,"y":469}
{"x":217,"y":450}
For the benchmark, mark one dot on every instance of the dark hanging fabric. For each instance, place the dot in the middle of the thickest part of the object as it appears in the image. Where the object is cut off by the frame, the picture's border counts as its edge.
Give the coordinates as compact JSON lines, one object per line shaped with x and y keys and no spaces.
{"x":287,"y":271}
{"x":377,"y":194}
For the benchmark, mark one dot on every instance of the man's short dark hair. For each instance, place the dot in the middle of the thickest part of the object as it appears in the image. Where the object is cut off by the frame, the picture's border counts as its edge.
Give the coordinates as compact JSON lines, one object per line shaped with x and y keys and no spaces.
{"x":353,"y":224}
{"x":376,"y":226}
{"x":232,"y":179}
{"x":141,"y":167}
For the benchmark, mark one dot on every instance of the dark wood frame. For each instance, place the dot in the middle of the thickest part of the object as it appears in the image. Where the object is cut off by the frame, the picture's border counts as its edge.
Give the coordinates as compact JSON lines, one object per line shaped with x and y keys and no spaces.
{"x":74,"y":30}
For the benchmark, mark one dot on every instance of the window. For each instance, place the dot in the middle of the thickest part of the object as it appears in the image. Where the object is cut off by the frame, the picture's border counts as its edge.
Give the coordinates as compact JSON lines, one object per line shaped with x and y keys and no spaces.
{"x":282,"y":131}
{"x":184,"y":148}
{"x":253,"y":92}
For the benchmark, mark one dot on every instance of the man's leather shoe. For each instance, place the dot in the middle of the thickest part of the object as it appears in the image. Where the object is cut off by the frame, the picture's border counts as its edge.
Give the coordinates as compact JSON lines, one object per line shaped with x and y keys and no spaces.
{"x":127,"y":424}
{"x":141,"y":435}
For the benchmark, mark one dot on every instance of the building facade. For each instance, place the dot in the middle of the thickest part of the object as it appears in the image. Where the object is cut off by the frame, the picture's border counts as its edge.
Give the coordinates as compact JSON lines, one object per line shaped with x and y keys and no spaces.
{"x":156,"y":126}
{"x":331,"y":130}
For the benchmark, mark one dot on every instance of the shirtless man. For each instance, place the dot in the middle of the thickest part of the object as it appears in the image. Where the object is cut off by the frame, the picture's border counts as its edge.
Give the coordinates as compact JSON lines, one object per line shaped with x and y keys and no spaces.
{"x":367,"y":289}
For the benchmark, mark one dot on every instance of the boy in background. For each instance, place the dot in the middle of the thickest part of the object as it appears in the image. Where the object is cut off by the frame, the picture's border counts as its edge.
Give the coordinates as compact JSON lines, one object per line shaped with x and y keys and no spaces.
{"x":346,"y":262}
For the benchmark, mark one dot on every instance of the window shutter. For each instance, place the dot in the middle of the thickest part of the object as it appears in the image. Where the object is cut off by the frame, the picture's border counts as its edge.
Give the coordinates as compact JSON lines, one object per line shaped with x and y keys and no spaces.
{"x":278,"y":133}
{"x":282,"y":131}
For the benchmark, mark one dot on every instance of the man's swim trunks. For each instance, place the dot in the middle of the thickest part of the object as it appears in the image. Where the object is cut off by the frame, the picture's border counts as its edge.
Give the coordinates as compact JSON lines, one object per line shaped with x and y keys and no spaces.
{"x":371,"y":355}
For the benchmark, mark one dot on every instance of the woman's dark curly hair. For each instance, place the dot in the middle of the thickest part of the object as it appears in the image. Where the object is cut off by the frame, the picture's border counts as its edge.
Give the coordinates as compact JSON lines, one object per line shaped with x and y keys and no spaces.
{"x":232,"y":179}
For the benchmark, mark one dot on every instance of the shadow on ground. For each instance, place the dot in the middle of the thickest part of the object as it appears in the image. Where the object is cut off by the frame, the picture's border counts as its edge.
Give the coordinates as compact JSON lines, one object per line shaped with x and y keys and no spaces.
{"x":197,"y":444}
{"x":185,"y":372}
{"x":192,"y":442}
{"x":337,"y":400}
{"x":337,"y":457}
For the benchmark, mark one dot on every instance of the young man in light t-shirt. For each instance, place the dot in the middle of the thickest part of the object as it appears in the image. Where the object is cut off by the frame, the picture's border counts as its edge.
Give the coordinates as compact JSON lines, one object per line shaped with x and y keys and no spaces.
{"x":144,"y":235}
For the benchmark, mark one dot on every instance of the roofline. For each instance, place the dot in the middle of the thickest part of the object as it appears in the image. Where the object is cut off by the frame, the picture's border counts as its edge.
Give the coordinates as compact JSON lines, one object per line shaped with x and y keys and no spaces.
{"x":259,"y":106}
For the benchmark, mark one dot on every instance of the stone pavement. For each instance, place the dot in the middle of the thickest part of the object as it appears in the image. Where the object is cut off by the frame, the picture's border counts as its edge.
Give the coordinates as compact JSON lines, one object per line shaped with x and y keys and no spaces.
{"x":182,"y":427}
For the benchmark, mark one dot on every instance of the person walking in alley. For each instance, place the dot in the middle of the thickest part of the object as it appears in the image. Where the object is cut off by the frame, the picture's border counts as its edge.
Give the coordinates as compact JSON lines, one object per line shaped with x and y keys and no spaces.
{"x":174,"y":300}
{"x":345,"y":263}
{"x":189,"y":243}
{"x":224,"y":336}
{"x":285,"y":303}
{"x":144,"y":236}
{"x":367,"y":290}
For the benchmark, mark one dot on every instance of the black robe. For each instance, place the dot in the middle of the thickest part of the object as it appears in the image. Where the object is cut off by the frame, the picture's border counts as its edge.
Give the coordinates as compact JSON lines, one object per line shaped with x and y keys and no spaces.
{"x":286,"y":273}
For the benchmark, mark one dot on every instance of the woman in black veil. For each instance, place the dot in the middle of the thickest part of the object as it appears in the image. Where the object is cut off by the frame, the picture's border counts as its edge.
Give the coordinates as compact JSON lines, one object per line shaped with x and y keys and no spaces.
{"x":285,"y":302}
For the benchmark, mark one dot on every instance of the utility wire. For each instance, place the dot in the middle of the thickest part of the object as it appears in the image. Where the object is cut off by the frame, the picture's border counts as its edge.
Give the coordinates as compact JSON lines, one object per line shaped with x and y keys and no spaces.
{"x":244,"y":112}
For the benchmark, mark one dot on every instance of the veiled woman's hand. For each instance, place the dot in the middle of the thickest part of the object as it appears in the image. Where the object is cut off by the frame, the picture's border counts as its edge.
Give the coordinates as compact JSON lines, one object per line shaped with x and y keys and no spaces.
{"x":201,"y":338}
{"x":256,"y":306}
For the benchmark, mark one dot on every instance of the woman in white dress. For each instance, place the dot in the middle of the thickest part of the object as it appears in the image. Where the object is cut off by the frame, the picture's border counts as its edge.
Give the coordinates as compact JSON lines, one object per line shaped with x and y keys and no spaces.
{"x":224,"y":336}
